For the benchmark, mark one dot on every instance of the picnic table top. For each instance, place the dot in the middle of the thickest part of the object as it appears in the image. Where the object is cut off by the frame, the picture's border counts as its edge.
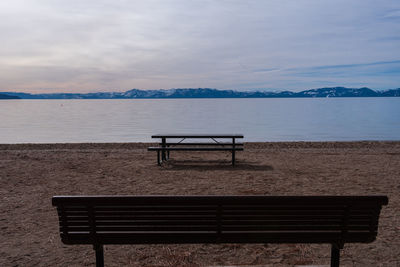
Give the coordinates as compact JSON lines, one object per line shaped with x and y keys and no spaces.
{"x":197,"y":136}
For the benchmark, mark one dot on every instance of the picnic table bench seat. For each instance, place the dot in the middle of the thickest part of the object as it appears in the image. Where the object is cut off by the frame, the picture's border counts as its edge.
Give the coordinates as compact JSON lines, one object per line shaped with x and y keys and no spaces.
{"x":106,"y":220}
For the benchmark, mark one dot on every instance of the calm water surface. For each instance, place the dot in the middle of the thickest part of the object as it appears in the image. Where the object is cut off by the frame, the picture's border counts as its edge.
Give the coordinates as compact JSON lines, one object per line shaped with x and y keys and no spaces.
{"x":135,"y":120}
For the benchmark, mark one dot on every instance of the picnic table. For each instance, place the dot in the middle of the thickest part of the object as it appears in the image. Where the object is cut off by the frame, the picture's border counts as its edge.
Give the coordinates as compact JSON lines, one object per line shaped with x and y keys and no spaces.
{"x":204,"y":142}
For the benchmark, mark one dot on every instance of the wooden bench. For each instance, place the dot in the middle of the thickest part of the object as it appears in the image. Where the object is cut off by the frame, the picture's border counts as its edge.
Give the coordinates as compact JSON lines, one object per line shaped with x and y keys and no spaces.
{"x":166,"y":146}
{"x":104,"y":220}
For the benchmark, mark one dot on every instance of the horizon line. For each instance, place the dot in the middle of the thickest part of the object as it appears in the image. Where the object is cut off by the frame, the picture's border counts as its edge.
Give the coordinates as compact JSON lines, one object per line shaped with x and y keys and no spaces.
{"x":197,"y":88}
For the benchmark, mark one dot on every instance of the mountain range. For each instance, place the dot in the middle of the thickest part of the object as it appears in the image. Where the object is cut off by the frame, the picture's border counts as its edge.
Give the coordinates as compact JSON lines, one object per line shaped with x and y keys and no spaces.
{"x":209,"y":93}
{"x":7,"y":96}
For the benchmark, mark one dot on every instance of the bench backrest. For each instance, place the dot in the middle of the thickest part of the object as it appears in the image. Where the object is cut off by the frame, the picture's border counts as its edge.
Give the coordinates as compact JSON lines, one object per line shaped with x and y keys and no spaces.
{"x":218,"y":219}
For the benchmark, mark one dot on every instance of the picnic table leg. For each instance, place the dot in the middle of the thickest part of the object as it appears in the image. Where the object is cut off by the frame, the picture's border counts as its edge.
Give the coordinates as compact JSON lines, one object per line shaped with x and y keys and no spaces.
{"x":158,"y":157}
{"x":163,"y":156}
{"x":99,"y":255}
{"x":233,"y":151}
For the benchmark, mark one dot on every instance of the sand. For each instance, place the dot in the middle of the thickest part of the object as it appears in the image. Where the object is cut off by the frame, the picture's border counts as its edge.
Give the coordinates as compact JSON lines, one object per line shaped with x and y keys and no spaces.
{"x":30,"y":174}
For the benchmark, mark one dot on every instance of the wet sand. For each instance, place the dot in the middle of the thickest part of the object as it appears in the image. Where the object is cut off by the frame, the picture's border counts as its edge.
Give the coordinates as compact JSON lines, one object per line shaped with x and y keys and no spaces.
{"x":30,"y":174}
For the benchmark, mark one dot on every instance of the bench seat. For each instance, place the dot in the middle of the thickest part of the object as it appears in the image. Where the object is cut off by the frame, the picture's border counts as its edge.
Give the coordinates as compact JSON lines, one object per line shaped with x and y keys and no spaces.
{"x":192,"y":148}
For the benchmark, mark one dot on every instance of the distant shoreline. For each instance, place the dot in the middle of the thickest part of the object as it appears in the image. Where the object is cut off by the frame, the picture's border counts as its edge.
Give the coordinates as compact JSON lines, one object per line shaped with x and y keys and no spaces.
{"x":211,"y":93}
{"x":178,"y":98}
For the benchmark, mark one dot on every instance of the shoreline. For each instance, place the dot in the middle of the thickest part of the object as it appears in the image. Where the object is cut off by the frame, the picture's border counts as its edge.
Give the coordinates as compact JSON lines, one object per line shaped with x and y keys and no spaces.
{"x":127,"y":145}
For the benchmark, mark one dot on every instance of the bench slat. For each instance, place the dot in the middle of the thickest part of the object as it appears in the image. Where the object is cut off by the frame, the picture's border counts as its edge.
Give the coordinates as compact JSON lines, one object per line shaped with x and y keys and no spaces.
{"x":214,"y":227}
{"x":171,"y":237}
{"x":373,"y":202}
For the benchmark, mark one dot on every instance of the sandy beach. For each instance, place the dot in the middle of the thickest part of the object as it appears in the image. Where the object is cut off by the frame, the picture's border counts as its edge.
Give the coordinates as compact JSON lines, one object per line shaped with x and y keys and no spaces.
{"x":30,"y":174}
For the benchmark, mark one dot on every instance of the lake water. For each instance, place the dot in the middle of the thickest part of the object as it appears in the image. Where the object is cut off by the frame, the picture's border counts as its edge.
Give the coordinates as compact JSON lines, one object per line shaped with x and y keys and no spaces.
{"x":263,"y":119}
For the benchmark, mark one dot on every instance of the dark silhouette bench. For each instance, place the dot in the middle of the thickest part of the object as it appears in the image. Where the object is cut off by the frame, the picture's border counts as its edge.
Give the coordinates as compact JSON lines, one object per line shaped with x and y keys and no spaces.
{"x":165,"y":146}
{"x":104,"y":220}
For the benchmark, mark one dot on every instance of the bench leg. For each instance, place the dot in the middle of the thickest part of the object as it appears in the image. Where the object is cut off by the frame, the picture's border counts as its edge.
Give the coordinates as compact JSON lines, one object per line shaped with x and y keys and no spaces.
{"x":335,"y":255}
{"x":158,"y":157}
{"x":99,"y":255}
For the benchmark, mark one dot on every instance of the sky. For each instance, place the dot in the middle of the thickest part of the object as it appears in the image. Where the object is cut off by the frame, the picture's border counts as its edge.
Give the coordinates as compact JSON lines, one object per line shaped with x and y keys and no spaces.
{"x":75,"y":46}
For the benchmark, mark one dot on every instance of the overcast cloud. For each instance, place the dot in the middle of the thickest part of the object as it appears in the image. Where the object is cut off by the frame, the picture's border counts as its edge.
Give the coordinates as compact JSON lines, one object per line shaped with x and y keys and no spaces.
{"x":89,"y":46}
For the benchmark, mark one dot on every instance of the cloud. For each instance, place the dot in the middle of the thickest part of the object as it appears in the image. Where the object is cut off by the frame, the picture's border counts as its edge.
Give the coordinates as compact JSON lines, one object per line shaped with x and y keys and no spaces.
{"x":397,"y":62}
{"x":361,"y":69}
{"x":392,"y":14}
{"x":267,"y":70}
{"x":108,"y":45}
